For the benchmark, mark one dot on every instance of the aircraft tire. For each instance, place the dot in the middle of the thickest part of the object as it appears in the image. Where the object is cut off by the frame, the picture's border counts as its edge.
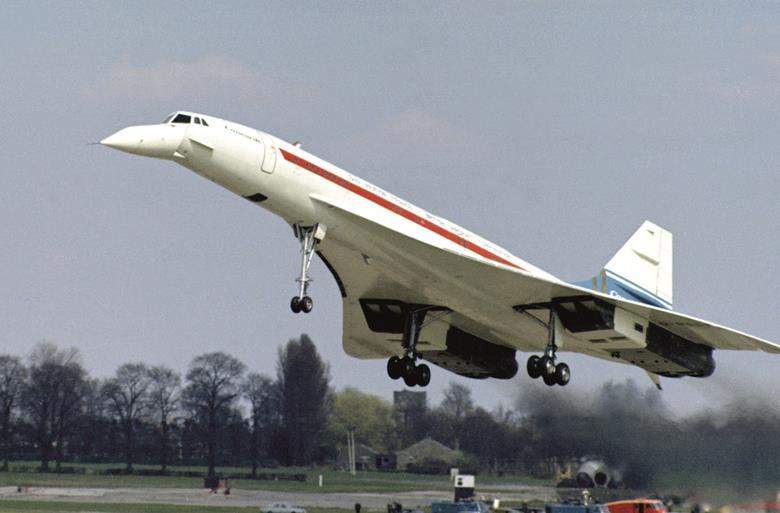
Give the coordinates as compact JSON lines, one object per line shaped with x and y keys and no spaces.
{"x":533,"y":367}
{"x":562,"y":374}
{"x":410,"y":378}
{"x":547,"y":366}
{"x":549,"y":379}
{"x":407,"y":367}
{"x":307,"y":304}
{"x":422,"y":375}
{"x":394,"y":369}
{"x":295,"y":304}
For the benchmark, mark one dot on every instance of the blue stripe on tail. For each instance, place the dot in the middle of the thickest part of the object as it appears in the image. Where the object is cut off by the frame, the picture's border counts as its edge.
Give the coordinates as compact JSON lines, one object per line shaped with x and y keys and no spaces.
{"x":621,"y":287}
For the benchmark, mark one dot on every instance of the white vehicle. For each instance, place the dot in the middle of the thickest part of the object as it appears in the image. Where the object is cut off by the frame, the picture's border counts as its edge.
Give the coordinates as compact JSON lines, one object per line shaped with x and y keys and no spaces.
{"x":416,"y":287}
{"x":282,"y":507}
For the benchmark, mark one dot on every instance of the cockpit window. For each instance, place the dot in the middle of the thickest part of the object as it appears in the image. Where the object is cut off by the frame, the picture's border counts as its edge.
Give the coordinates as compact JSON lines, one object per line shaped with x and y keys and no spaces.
{"x":168,"y":118}
{"x":182,"y":118}
{"x":197,"y":121}
{"x":203,"y":122}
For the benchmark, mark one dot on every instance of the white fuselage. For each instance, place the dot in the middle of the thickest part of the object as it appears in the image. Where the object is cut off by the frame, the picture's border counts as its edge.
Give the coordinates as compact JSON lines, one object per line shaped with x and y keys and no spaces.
{"x":396,"y":255}
{"x":236,"y":164}
{"x":250,"y":163}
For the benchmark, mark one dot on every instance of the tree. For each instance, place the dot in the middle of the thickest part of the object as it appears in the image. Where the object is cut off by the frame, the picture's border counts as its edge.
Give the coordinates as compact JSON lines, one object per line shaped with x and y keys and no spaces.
{"x":262,"y":394}
{"x":213,"y":385}
{"x":412,"y":416}
{"x":305,"y":395}
{"x":370,"y":416}
{"x":457,"y":404}
{"x":457,"y":401}
{"x":53,"y":397}
{"x":163,"y":399}
{"x":483,"y":436}
{"x":12,"y":379}
{"x":95,"y":419}
{"x":126,"y":396}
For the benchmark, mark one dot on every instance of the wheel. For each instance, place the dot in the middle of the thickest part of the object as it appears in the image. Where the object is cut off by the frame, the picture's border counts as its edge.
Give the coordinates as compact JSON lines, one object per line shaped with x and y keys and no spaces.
{"x":547,"y":365}
{"x":307,"y":304}
{"x":562,"y":374}
{"x":422,"y":375}
{"x":410,"y":378}
{"x":295,"y":304}
{"x":407,"y":367}
{"x":533,"y":367}
{"x":549,"y":379}
{"x":394,"y":369}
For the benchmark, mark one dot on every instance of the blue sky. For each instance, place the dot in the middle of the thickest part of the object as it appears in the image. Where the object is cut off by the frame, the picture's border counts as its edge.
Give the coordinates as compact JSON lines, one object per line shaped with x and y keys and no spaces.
{"x":553,"y":129}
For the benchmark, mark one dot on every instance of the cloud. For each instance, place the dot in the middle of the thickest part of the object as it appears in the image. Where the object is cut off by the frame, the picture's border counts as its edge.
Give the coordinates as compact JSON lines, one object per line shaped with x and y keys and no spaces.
{"x":190,"y":81}
{"x":415,"y":128}
{"x":758,"y":84}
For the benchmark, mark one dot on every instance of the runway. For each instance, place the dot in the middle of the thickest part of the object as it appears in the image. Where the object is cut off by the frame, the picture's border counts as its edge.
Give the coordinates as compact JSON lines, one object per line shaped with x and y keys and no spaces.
{"x":183,"y":496}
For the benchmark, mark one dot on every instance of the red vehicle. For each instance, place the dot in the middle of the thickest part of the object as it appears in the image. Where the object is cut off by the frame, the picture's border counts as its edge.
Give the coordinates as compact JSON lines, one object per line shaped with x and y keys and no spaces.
{"x":637,"y":506}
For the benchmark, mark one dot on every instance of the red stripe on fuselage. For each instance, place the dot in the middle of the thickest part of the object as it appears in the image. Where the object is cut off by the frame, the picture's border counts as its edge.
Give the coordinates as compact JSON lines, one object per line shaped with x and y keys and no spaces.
{"x":411,"y":216}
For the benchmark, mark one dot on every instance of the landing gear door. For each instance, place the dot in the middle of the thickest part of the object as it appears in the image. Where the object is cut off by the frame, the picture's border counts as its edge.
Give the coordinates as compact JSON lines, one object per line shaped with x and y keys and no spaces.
{"x":269,"y":154}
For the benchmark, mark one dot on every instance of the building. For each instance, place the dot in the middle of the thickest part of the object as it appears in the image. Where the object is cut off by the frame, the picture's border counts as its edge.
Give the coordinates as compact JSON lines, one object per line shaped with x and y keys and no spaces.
{"x":427,"y":450}
{"x":365,"y":458}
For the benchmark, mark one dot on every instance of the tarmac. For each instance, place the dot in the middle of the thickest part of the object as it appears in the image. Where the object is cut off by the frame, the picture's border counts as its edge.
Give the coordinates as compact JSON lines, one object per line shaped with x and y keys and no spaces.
{"x":196,"y":496}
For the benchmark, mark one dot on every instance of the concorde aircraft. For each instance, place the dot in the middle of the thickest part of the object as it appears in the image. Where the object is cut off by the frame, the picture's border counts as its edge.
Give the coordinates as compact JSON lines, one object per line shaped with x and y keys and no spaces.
{"x":417,"y":287}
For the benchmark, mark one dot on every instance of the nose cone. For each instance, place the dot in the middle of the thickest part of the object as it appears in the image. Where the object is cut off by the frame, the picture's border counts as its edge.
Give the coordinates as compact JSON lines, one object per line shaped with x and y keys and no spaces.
{"x":158,"y":141}
{"x":127,"y":139}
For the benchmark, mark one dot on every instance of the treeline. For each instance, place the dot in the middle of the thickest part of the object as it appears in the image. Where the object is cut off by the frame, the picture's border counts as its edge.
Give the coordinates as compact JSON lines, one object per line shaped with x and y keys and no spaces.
{"x":53,"y":411}
{"x":220,"y":413}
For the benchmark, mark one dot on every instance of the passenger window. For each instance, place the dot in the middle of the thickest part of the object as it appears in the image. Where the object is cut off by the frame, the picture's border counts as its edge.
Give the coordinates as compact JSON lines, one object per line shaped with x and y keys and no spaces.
{"x":182,"y":118}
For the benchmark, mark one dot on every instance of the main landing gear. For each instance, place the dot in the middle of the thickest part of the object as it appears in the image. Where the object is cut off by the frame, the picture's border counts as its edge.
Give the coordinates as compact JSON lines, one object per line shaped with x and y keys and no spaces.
{"x":405,"y":367}
{"x":308,"y":236}
{"x":545,"y":366}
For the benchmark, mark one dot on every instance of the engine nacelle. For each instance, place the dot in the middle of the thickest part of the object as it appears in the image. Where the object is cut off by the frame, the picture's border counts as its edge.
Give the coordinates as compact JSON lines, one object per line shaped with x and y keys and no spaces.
{"x":474,"y":357}
{"x":593,"y":474}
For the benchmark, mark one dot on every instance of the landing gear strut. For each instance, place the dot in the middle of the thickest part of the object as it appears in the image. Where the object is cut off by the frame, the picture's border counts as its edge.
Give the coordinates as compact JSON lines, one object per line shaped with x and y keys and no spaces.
{"x":405,"y":367}
{"x":545,"y":366}
{"x":308,"y":236}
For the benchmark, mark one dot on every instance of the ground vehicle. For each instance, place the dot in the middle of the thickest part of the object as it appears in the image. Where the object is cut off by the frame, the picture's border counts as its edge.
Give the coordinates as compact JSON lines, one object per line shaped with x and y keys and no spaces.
{"x":459,"y":507}
{"x":637,"y":506}
{"x":575,"y":508}
{"x":282,"y":507}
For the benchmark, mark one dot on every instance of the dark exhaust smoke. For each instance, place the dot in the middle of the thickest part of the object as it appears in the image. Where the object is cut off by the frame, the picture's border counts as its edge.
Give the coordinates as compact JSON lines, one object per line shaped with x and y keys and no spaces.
{"x":734,"y":450}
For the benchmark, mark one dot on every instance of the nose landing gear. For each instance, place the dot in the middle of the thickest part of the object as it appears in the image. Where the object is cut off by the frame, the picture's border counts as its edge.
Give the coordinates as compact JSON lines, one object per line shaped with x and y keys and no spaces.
{"x":308,"y":236}
{"x":545,"y":366}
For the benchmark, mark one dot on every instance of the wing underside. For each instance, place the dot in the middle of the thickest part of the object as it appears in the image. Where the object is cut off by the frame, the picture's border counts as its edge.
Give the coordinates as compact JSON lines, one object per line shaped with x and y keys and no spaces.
{"x":494,"y":303}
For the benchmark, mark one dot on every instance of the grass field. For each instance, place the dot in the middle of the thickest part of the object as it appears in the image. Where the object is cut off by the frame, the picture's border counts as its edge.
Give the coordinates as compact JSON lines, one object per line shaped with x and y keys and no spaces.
{"x":334,"y":481}
{"x":67,"y":507}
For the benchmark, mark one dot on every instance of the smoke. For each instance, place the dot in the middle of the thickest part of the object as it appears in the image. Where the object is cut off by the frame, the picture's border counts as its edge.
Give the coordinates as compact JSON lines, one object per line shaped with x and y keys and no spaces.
{"x":734,"y":450}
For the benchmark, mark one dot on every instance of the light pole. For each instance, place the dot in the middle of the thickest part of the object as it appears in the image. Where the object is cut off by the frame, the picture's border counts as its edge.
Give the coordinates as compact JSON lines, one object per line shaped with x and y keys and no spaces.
{"x":351,"y":455}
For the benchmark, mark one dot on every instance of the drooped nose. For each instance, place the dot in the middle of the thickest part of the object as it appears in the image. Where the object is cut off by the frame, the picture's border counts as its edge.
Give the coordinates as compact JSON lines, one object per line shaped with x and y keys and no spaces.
{"x":158,"y":141}
{"x":127,"y":139}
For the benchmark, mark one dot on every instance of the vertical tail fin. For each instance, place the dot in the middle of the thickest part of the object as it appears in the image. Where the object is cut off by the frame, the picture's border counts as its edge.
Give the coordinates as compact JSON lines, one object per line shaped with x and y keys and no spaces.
{"x":642,"y":269}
